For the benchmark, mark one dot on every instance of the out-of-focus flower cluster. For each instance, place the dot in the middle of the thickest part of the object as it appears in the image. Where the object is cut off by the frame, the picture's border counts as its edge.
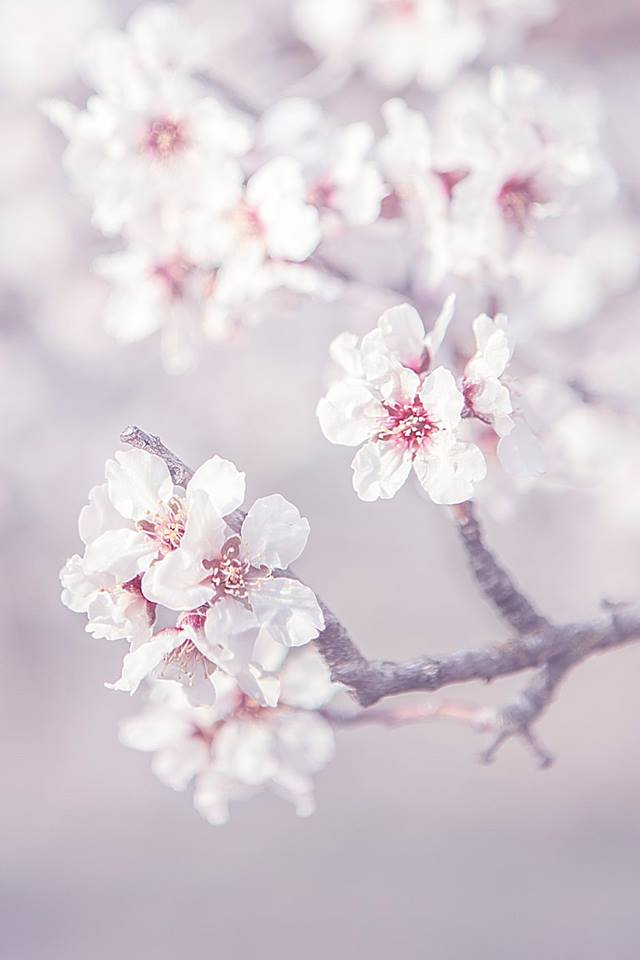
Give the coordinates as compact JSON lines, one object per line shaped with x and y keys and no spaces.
{"x":412,"y":415}
{"x":492,"y":189}
{"x":213,"y":623}
{"x":397,"y":42}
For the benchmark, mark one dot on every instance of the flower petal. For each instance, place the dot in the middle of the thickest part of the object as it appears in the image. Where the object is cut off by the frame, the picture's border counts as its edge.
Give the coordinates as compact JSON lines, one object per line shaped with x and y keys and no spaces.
{"x":224,"y":620}
{"x":124,"y":553}
{"x":288,"y":609}
{"x":449,"y":469}
{"x":178,"y":581}
{"x":141,"y":662}
{"x":222,"y":482}
{"x":379,"y":470}
{"x":442,"y":398}
{"x":273,"y":533}
{"x":246,"y":751}
{"x":349,"y":413}
{"x":137,"y":482}
{"x":403,"y":335}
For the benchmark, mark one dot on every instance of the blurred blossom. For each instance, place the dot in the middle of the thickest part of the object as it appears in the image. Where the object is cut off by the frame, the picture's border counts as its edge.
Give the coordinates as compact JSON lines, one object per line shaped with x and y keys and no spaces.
{"x":236,"y":748}
{"x":396,"y":42}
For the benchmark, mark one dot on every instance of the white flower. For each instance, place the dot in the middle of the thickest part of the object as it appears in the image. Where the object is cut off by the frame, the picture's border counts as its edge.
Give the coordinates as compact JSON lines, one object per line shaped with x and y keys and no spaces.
{"x":270,"y":214}
{"x":485,"y":393}
{"x":532,"y":164}
{"x":406,"y":418}
{"x":341,"y":177}
{"x":150,"y":133}
{"x":237,"y":748}
{"x":234,"y":573}
{"x":149,"y":544}
{"x":155,"y":287}
{"x":398,"y":41}
{"x":423,"y":189}
{"x":114,"y":611}
{"x":489,"y":399}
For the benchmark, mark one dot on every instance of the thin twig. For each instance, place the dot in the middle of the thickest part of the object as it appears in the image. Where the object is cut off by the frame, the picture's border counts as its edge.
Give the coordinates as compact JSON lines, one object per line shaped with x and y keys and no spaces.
{"x":492,"y":578}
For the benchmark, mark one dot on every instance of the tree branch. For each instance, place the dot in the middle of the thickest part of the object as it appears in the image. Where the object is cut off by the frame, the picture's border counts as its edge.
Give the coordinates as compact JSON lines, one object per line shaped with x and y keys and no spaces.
{"x":492,"y":578}
{"x":552,"y":648}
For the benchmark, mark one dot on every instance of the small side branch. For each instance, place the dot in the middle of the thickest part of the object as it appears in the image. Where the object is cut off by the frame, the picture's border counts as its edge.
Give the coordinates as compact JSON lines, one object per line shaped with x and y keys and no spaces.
{"x":493,"y":579}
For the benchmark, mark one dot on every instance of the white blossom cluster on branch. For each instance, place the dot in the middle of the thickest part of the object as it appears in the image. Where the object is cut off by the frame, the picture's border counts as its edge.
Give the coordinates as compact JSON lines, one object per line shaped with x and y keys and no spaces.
{"x":484,"y":206}
{"x":155,"y":553}
{"x":410,"y":414}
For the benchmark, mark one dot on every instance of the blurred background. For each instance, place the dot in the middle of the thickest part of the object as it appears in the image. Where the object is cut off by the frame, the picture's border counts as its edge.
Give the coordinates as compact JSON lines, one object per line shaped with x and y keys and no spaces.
{"x":415,"y":847}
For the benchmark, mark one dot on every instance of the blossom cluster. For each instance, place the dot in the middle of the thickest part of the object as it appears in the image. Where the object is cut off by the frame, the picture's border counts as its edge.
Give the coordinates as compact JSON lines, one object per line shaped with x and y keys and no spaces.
{"x":397,"y":42}
{"x":489,"y":190}
{"x":215,"y":209}
{"x":157,"y":554}
{"x":410,"y":415}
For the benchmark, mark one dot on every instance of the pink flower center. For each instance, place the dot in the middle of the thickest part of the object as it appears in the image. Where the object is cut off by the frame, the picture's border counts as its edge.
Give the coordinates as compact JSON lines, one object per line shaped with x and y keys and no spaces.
{"x":408,"y":425}
{"x":184,"y":662}
{"x":247,"y":220}
{"x":173,"y":275}
{"x":450,"y":179}
{"x":166,"y":526}
{"x":231,"y":576}
{"x":516,"y":198}
{"x":321,"y":194}
{"x":401,"y":8}
{"x":164,"y":138}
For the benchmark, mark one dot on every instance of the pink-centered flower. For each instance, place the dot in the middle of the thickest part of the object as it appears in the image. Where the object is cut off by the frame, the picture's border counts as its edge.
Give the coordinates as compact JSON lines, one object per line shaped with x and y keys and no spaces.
{"x":406,"y":417}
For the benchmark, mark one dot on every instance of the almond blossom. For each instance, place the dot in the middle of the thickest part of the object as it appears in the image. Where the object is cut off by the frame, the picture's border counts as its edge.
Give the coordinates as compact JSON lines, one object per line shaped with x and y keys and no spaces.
{"x":407,"y":415}
{"x":343,"y":180}
{"x":485,"y":393}
{"x":397,"y":42}
{"x":269,"y":214}
{"x":150,"y":130}
{"x":236,"y":748}
{"x":148,"y":544}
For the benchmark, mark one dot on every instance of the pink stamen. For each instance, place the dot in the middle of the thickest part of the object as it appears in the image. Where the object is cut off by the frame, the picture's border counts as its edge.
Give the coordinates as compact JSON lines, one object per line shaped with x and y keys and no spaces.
{"x":164,"y":138}
{"x":516,"y":198}
{"x":408,"y":425}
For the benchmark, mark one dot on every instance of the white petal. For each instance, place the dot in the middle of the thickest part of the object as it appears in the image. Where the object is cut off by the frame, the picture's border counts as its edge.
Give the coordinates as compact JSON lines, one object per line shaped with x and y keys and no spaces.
{"x":349,"y":413}
{"x":306,"y":680}
{"x":246,"y":751}
{"x":288,"y":609}
{"x":449,"y":470}
{"x":155,"y":728}
{"x":78,"y":587}
{"x":141,"y":662}
{"x":224,"y":620}
{"x":403,"y":335}
{"x":437,"y":333}
{"x":138,"y":482}
{"x":98,"y":515}
{"x":305,"y":740}
{"x":273,"y":533}
{"x":222,"y":482}
{"x":379,"y":470}
{"x":177,"y":765}
{"x":345,"y":352}
{"x":178,"y":581}
{"x":520,"y":452}
{"x":124,"y":553}
{"x":205,"y":530}
{"x":442,"y":398}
